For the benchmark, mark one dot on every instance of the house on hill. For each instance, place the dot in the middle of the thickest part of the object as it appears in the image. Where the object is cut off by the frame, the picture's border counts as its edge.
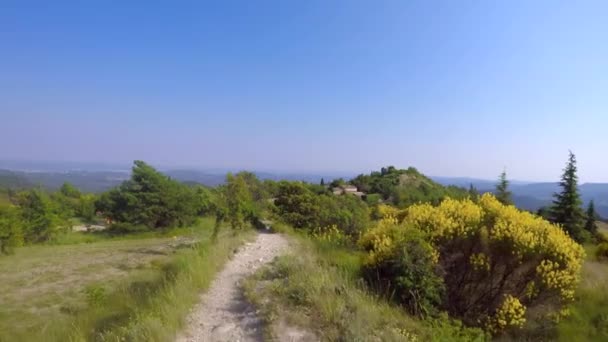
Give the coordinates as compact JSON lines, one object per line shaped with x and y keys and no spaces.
{"x":347,"y":189}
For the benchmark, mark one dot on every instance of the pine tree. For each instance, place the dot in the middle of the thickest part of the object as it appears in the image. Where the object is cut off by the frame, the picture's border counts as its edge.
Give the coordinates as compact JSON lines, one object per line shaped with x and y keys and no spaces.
{"x":502,"y":190}
{"x":566,"y":208}
{"x":322,"y":182}
{"x":591,"y":217}
{"x":473,"y":193}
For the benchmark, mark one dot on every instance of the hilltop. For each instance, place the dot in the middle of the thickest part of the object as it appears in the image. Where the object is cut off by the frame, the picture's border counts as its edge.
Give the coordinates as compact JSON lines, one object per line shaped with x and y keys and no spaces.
{"x":403,"y":187}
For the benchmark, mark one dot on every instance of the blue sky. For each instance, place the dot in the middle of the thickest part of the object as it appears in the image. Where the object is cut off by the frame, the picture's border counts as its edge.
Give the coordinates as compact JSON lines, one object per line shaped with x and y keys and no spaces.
{"x":454,"y":88}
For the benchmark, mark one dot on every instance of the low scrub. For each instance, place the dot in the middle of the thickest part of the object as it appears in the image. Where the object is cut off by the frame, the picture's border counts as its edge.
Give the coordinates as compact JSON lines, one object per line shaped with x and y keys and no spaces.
{"x":601,"y":252}
{"x":497,"y":263}
{"x":334,"y":304}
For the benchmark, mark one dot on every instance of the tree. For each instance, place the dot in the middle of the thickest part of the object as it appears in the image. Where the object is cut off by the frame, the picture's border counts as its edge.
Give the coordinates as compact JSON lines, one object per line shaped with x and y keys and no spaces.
{"x":239,"y":200}
{"x":297,"y":205}
{"x":566,"y":209}
{"x":502,"y":189}
{"x":591,"y":218}
{"x":86,"y":209}
{"x":69,"y":190}
{"x":322,"y":182}
{"x":473,"y":193}
{"x":11,"y":225}
{"x":149,"y":200}
{"x":41,"y":222}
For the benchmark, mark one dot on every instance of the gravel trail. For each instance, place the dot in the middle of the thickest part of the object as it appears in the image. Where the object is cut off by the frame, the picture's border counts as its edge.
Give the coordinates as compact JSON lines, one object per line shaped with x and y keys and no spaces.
{"x":223,"y":314}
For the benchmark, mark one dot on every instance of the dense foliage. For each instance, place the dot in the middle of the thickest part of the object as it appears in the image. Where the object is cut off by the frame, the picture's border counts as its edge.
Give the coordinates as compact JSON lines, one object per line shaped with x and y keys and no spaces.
{"x":496,"y":261}
{"x":299,"y":206}
{"x":404,"y":187}
{"x":149,"y":200}
{"x":11,"y":228}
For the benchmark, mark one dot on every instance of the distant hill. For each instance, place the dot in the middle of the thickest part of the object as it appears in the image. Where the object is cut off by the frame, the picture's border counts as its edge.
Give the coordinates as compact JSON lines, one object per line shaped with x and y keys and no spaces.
{"x":403,"y":187}
{"x":98,"y":181}
{"x":532,"y":196}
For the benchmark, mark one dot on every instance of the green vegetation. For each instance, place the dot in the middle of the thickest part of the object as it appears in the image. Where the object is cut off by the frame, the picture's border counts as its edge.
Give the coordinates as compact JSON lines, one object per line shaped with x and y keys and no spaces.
{"x":502,"y":190}
{"x":333,"y":305}
{"x":10,"y":229}
{"x":491,"y":258}
{"x":567,"y":209}
{"x":590,"y":220}
{"x":588,"y":316}
{"x":407,"y":259}
{"x":149,"y":200}
{"x":109,"y":289}
{"x":297,"y":205}
{"x":405,"y":187}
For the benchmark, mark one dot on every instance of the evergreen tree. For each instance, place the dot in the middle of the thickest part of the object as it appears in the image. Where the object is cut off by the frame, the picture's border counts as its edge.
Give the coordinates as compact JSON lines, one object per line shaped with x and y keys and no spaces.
{"x":473,"y":193}
{"x":322,"y":182}
{"x":591,"y":217}
{"x":502,"y":189}
{"x":566,"y":208}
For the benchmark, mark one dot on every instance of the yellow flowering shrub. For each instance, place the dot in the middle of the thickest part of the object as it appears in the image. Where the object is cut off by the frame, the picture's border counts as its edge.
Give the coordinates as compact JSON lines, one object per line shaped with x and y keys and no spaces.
{"x":402,"y":262}
{"x":495,"y":260}
{"x":331,"y":235}
{"x":511,"y":313}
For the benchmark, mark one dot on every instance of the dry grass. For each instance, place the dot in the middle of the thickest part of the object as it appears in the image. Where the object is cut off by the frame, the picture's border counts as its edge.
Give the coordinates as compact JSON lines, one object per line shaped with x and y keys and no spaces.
{"x":92,"y":288}
{"x":39,"y":283}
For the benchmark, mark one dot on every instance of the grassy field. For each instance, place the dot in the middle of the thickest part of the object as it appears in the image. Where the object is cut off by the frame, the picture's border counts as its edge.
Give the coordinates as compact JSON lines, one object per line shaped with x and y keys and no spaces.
{"x":589,"y":314}
{"x":95,"y":287}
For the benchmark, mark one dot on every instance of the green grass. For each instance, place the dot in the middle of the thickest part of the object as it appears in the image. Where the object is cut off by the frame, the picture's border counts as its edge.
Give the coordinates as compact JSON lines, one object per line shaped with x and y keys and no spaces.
{"x":589,"y":313}
{"x":137,"y":288}
{"x":317,"y":290}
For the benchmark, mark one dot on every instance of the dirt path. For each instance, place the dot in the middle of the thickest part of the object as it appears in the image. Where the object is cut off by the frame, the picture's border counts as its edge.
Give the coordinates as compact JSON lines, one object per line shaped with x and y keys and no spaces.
{"x":223,"y":313}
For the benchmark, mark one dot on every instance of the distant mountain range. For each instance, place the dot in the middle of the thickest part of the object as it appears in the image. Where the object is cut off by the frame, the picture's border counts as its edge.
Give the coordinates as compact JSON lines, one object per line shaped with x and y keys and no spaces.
{"x":532,"y":196}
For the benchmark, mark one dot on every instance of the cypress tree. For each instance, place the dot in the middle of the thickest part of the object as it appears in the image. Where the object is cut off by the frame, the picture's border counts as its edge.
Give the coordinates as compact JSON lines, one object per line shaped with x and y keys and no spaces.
{"x":566,"y":208}
{"x":502,"y":189}
{"x":591,"y":216}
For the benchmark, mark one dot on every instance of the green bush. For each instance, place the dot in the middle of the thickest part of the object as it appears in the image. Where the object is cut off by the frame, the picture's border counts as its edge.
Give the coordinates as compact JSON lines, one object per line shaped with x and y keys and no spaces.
{"x":11,"y":234}
{"x":601,"y":252}
{"x":410,"y":274}
{"x":298,"y":206}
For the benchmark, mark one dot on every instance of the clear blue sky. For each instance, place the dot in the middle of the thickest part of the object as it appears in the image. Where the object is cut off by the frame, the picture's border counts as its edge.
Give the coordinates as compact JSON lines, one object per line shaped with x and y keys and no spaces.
{"x":454,"y":88}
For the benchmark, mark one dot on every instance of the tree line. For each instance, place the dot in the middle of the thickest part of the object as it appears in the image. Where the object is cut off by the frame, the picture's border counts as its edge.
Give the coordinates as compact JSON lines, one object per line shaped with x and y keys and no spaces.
{"x":567,"y":207}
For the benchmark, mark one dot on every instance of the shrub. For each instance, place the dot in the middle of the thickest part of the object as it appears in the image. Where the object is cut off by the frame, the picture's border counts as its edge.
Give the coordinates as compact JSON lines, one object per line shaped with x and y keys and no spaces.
{"x":407,"y":270}
{"x":601,"y":253}
{"x":10,"y":229}
{"x":330,"y":235}
{"x":495,"y":260}
{"x":298,"y":206}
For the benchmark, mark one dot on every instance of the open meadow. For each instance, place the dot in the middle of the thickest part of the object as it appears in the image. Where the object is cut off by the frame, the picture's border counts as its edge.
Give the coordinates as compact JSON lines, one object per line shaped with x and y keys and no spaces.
{"x":92,"y":285}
